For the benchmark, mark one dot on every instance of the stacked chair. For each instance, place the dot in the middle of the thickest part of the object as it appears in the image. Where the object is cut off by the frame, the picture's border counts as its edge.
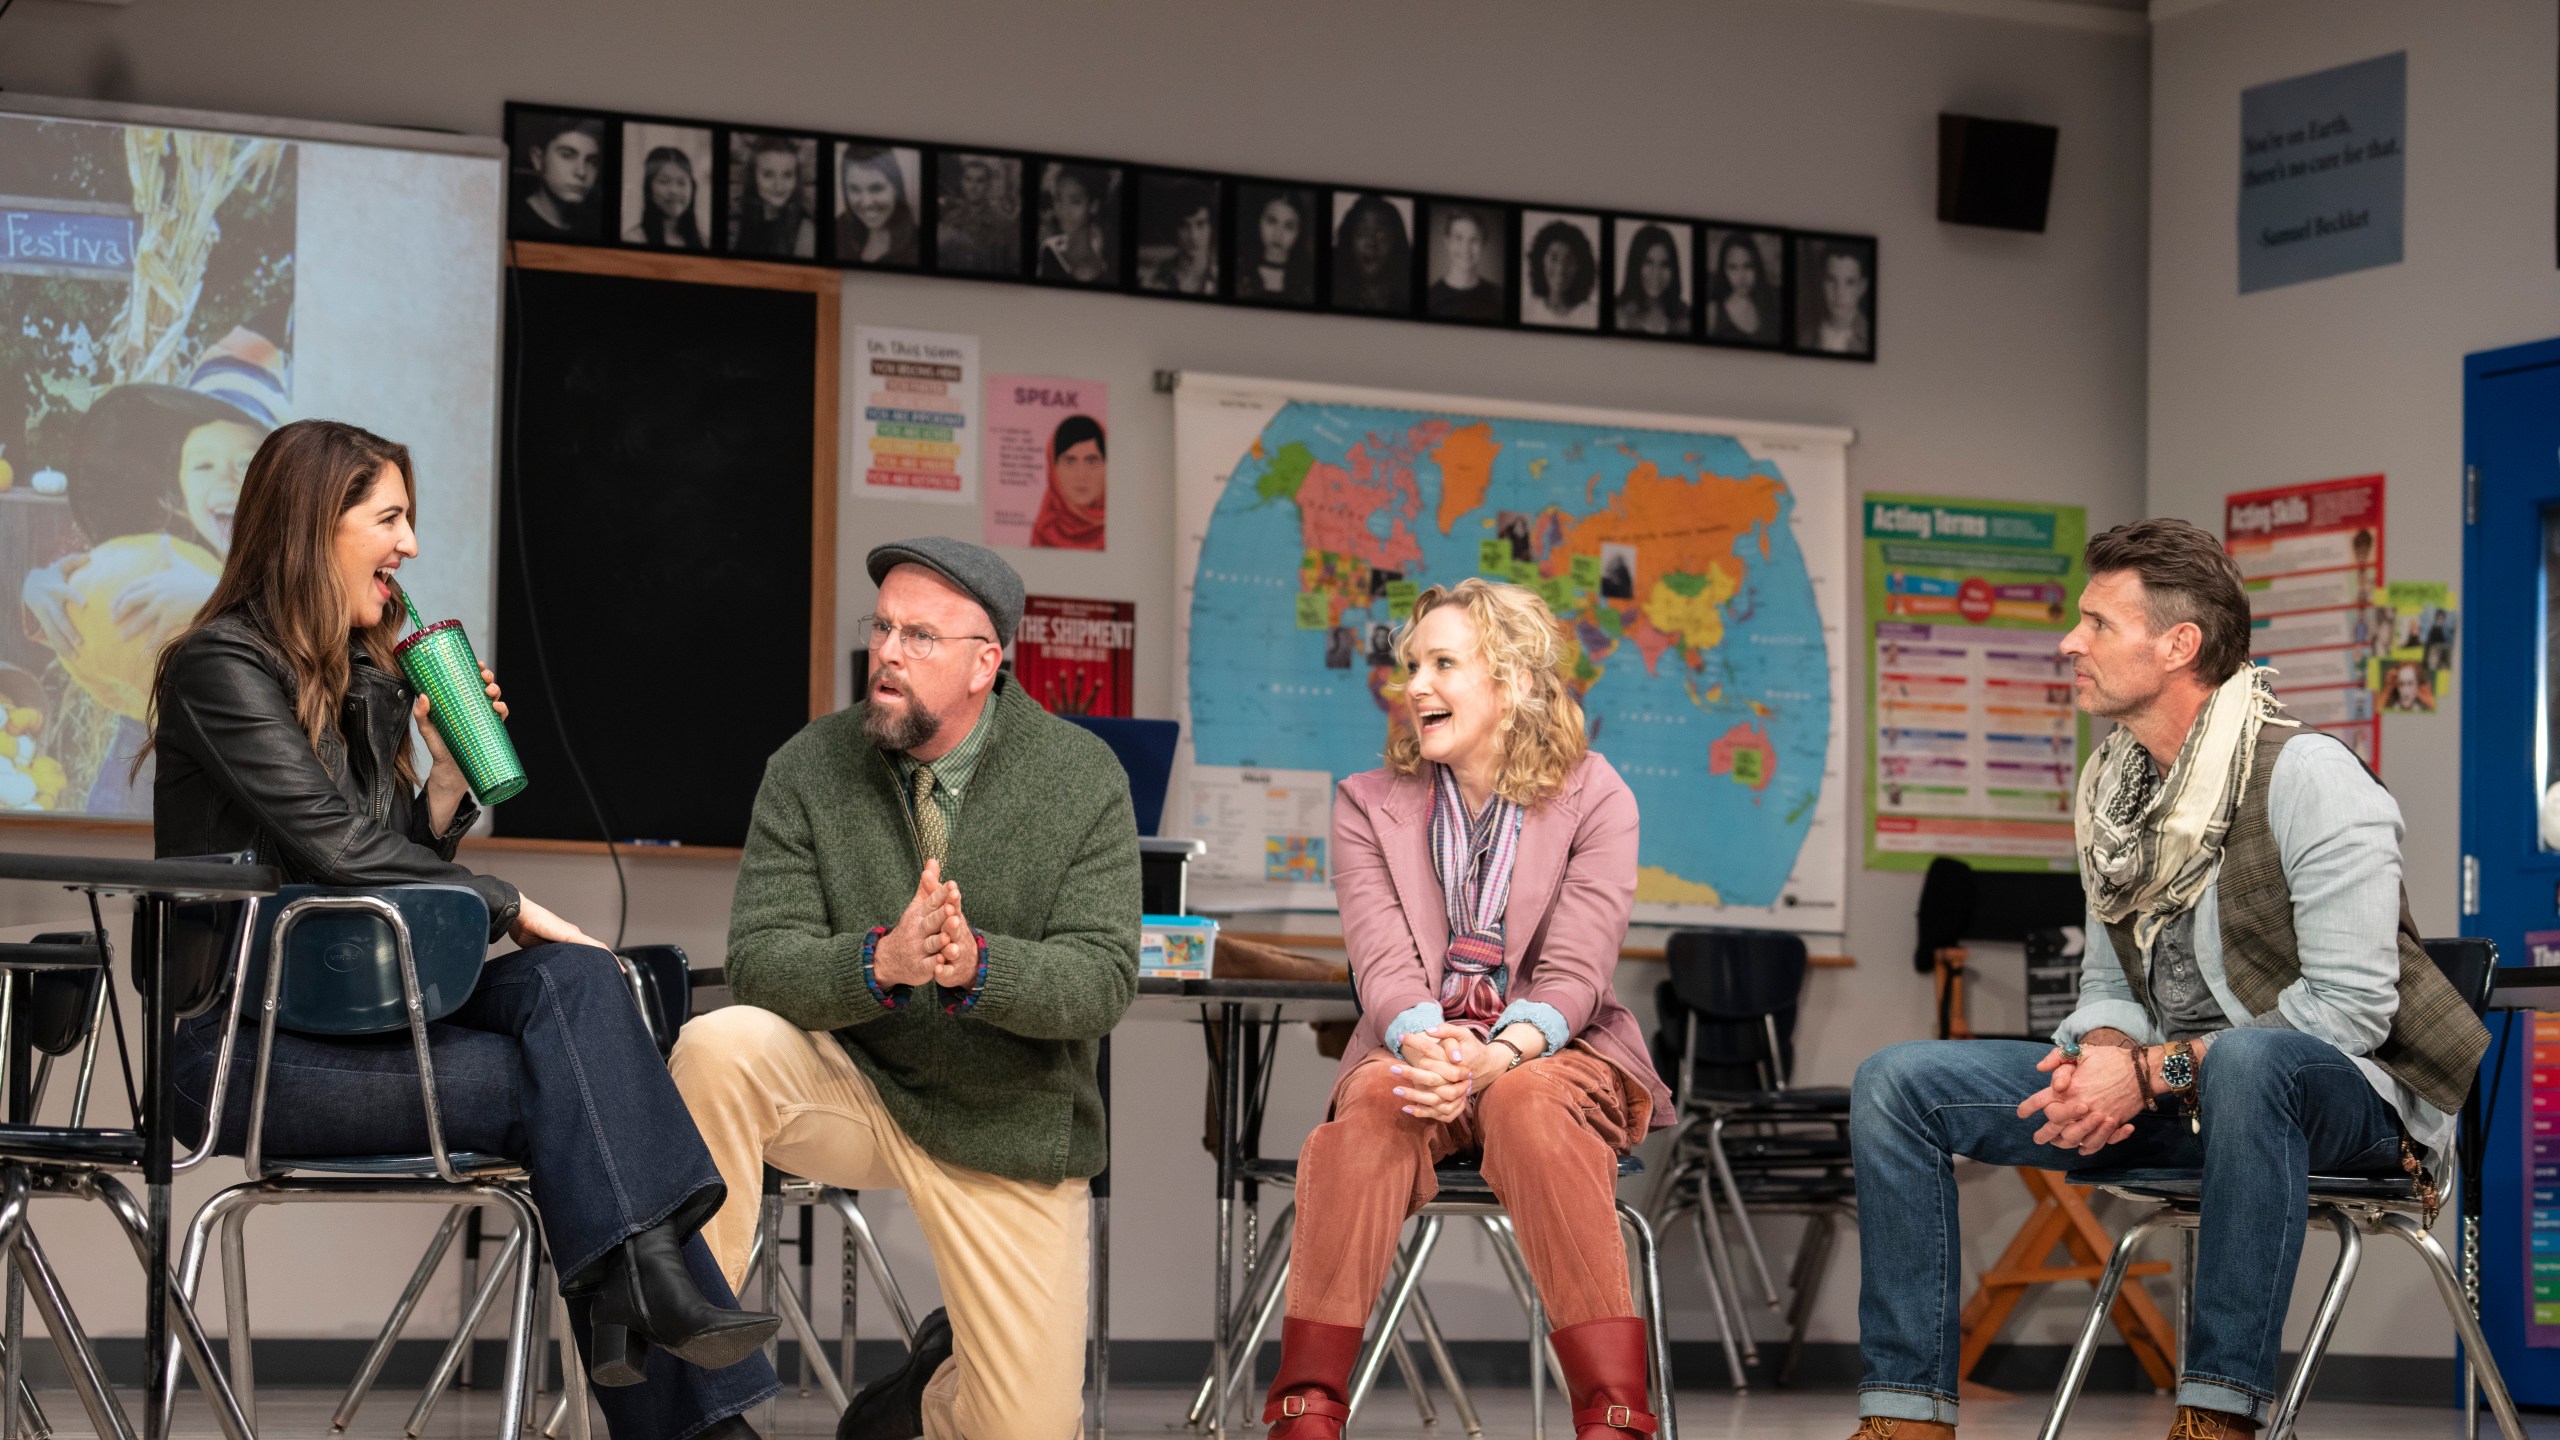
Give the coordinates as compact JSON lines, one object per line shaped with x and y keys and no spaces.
{"x":1746,"y":1143}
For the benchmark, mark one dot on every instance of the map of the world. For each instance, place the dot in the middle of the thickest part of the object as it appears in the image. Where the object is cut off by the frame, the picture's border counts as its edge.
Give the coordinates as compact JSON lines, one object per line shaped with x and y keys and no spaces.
{"x":1678,"y":561}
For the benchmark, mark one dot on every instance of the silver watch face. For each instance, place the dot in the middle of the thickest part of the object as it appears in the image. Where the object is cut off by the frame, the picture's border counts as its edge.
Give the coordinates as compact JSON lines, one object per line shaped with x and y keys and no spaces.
{"x":2178,"y":1068}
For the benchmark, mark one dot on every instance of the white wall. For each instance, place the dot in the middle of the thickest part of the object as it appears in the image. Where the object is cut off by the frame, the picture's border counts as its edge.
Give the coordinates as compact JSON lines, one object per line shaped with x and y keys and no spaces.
{"x":2356,"y":373}
{"x":2012,"y":364}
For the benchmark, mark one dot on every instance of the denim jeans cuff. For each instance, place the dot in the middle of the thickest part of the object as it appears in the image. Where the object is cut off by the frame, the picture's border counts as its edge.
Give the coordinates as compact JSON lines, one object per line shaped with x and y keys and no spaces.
{"x":2207,"y":1395}
{"x":1899,"y":1404}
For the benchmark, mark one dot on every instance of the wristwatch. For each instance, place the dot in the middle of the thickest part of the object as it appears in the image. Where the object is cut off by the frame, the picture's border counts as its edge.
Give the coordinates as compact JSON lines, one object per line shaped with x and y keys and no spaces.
{"x":2178,"y":1073}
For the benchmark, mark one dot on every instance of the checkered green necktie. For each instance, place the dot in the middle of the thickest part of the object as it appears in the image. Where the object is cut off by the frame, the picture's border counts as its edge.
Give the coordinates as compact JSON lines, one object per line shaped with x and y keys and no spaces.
{"x":930,"y":828}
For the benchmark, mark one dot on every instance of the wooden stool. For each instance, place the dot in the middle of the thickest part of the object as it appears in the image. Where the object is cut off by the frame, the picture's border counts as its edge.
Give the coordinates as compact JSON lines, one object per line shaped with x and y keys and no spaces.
{"x":2062,"y":1216}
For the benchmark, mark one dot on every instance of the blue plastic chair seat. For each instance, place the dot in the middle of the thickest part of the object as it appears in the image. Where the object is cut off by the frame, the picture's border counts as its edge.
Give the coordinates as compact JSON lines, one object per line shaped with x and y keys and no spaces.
{"x":419,"y":1167}
{"x":62,"y":1145}
{"x":1463,"y":1175}
{"x":2188,"y":1185}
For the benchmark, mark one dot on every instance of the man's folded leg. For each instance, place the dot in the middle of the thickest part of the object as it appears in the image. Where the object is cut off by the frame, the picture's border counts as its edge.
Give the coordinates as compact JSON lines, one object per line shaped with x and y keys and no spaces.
{"x":1915,"y":1107}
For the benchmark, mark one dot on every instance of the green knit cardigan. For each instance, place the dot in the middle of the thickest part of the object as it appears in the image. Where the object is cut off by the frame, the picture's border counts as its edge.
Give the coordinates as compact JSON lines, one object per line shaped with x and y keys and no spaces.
{"x":1046,"y":855}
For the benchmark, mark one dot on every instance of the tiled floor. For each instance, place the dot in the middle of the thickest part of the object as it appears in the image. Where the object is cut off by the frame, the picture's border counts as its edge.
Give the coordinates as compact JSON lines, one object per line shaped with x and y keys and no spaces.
{"x":1706,"y":1415}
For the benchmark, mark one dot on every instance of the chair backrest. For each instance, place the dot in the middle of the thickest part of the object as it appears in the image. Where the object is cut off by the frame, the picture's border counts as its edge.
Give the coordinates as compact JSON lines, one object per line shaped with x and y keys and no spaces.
{"x":1959,"y":903}
{"x":665,"y":990}
{"x":1737,"y":974}
{"x":342,"y":967}
{"x":1145,"y":750}
{"x":203,"y":944}
{"x":2471,"y":964}
{"x":55,"y":1006}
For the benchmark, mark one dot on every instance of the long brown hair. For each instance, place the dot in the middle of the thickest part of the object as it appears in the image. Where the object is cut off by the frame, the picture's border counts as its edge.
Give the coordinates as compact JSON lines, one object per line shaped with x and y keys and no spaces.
{"x":283,"y":575}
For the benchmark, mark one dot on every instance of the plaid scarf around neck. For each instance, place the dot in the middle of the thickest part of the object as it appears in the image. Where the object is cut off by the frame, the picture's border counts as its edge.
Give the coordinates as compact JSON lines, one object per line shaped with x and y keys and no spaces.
{"x":1473,"y":856}
{"x":2149,"y":842}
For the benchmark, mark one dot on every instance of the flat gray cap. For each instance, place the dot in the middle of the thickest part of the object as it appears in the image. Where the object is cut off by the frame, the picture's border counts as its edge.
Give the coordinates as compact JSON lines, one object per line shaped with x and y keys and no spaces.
{"x":980,"y":573}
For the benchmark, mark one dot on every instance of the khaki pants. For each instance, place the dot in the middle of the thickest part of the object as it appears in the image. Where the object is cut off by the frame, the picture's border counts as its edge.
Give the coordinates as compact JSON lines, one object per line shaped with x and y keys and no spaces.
{"x":1012,"y":1255}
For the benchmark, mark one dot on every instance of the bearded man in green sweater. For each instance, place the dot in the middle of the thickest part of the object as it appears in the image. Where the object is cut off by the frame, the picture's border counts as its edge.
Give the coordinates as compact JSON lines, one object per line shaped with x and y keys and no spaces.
{"x":936,"y":921}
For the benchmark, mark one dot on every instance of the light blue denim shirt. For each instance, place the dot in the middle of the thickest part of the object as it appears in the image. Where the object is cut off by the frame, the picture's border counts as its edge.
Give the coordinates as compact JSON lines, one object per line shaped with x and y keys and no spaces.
{"x":2338,"y":834}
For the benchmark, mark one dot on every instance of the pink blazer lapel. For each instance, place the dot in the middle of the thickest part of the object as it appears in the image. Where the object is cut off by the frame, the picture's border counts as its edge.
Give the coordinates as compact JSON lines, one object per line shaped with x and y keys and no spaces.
{"x":1407,"y":838}
{"x":1546,"y":837}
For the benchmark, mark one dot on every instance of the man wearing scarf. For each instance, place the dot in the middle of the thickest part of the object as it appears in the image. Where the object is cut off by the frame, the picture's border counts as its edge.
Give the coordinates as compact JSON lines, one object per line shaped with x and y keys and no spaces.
{"x":2254,"y":1003}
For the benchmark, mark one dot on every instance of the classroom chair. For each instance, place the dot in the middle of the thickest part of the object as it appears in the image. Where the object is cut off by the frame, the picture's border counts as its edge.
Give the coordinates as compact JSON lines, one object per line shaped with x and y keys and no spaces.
{"x":377,"y":962}
{"x":1744,"y":1140}
{"x":2352,"y":1206}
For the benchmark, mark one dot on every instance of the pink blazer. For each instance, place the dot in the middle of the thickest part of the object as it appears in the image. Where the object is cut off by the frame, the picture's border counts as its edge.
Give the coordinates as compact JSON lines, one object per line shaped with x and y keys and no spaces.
{"x":1571,"y":891}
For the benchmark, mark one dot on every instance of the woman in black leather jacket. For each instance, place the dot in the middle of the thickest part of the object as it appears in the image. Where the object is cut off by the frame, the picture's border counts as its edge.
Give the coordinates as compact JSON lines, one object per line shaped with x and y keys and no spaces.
{"x":283,"y":730}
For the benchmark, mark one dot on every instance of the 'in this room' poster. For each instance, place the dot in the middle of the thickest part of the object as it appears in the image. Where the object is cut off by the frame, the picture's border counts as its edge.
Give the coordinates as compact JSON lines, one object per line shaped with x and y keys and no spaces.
{"x":1975,"y":742}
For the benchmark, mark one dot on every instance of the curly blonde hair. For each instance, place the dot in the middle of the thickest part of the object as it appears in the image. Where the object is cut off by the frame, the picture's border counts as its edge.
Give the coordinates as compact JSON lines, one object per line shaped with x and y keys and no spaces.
{"x":1527,"y":651}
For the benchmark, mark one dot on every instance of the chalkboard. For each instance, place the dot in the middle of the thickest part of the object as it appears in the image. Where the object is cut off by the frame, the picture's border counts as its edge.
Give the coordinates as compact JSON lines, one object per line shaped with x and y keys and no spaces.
{"x":665,"y":501}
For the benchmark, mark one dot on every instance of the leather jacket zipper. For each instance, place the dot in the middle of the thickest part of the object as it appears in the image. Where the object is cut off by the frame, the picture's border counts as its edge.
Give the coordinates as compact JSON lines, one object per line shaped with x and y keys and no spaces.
{"x":381,"y":780}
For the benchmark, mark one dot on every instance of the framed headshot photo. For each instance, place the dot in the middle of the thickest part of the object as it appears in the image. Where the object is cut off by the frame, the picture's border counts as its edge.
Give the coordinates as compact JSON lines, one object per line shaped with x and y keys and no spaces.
{"x":1836,"y":296}
{"x":1372,"y":253}
{"x":1745,"y":287}
{"x":1467,"y":254}
{"x":1178,"y":240}
{"x":1079,"y":224}
{"x":666,"y":189}
{"x":1274,"y":260}
{"x":1559,"y":270}
{"x":1652,"y":292}
{"x":773,"y":195}
{"x":878,"y":189}
{"x":977,"y":229}
{"x":556,"y":173}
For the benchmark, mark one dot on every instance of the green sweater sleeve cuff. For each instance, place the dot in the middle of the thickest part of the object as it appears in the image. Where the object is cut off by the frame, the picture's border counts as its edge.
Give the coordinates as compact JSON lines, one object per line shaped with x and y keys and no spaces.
{"x":999,"y":993}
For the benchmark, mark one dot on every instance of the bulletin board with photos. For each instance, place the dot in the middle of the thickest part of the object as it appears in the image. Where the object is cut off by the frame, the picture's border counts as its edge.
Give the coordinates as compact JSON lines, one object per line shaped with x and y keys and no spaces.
{"x":591,"y":177}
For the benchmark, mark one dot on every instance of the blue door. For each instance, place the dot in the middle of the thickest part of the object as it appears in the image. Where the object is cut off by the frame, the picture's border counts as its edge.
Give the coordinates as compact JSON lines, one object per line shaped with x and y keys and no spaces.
{"x":2510,"y":880}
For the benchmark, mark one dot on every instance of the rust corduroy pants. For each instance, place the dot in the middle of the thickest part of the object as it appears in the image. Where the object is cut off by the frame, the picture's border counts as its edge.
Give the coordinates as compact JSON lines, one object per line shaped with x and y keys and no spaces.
{"x":1551,"y":1132}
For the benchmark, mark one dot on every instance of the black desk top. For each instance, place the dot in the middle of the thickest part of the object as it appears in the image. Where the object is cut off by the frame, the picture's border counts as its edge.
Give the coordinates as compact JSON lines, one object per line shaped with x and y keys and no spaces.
{"x":1211,"y":991}
{"x":2525,"y":987}
{"x":173,"y":879}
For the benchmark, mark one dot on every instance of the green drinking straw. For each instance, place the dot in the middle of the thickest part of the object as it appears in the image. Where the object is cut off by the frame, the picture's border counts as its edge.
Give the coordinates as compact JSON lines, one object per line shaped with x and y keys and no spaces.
{"x":415,"y":621}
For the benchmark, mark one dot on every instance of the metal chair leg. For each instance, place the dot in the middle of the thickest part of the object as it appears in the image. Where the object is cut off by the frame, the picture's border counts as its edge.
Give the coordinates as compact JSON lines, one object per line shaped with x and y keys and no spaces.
{"x":1657,"y":1344}
{"x":1438,"y":1349}
{"x":795,"y":1318}
{"x":2324,"y":1322}
{"x":1402,"y":1354}
{"x":2075,"y":1371}
{"x":235,"y":1310}
{"x":88,"y":1376}
{"x":573,"y":1407}
{"x":1365,"y":1374}
{"x":1813,"y":1265}
{"x":185,"y":1333}
{"x":1515,"y":1271}
{"x":398,"y":1320}
{"x":1728,"y":1280}
{"x":1716,"y":1301}
{"x":2475,"y":1346}
{"x":850,"y":1212}
{"x":1741,"y":1213}
{"x":1266,"y":1285}
{"x":472,"y":1314}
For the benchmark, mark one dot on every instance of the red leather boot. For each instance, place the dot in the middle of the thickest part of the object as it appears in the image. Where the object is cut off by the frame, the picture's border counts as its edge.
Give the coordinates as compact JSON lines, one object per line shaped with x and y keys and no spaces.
{"x":1311,"y":1397}
{"x":1604,"y":1369}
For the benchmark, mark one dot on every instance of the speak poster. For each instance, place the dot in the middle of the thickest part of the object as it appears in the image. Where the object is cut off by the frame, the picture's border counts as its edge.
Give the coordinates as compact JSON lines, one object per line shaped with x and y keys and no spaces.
{"x":1972,"y":737}
{"x":916,"y":418}
{"x":1048,"y":461}
{"x":2311,"y":556}
{"x":1077,"y":657}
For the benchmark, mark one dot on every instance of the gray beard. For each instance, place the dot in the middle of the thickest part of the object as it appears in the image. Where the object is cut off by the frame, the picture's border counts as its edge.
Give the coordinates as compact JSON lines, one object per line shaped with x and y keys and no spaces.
{"x":898,"y":731}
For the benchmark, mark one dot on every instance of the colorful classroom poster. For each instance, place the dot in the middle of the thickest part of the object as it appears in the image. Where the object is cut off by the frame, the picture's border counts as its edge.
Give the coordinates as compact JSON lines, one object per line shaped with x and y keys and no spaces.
{"x":916,"y":420}
{"x":1077,"y":657}
{"x":2542,"y":1187}
{"x":2311,"y":557}
{"x":1048,"y":461}
{"x":2411,"y":628}
{"x":1264,"y":827}
{"x":1975,"y":741}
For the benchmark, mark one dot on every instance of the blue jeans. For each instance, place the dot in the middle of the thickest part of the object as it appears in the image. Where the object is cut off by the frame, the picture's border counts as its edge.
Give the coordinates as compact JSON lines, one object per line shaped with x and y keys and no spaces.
{"x":2277,"y":1105}
{"x":548,"y":1064}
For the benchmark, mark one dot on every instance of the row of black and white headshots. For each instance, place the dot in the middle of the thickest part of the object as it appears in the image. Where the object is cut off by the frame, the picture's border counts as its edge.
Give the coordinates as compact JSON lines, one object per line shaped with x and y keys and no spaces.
{"x":590,"y":178}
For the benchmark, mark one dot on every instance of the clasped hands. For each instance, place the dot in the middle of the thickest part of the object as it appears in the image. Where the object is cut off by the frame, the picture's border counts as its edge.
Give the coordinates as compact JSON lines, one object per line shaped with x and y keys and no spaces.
{"x":1439,"y":1070}
{"x":931,"y":941}
{"x":2090,"y":1102}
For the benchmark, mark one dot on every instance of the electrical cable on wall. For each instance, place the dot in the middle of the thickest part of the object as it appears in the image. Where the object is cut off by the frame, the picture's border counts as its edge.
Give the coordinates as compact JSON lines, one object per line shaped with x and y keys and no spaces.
{"x":532,"y":616}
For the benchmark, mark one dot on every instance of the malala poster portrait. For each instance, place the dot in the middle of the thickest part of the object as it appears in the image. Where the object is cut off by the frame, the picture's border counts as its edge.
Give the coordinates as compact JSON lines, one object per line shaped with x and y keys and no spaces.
{"x":1049,"y":465}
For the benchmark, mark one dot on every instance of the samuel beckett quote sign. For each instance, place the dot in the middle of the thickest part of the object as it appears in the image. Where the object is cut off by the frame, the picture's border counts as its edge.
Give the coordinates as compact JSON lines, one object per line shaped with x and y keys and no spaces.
{"x":2321,"y":170}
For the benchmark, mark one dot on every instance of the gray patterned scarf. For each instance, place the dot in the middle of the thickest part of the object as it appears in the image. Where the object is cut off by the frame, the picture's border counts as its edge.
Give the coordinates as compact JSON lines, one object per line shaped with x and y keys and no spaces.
{"x":2149,"y":842}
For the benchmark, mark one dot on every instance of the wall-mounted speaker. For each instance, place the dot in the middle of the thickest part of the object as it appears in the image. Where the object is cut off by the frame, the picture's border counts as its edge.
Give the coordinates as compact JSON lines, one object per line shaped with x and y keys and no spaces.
{"x":1995,"y":173}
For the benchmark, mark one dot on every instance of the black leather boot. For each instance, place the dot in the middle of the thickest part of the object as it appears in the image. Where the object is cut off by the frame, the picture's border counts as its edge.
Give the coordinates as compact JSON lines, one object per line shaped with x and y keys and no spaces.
{"x":733,"y":1428}
{"x":645,"y":1296}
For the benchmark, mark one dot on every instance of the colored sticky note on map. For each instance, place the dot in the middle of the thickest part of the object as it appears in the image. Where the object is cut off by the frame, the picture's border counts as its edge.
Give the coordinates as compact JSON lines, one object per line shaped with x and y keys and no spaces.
{"x":1523,"y":573}
{"x":1400,"y":597}
{"x":1586,"y":572}
{"x":1311,"y":612}
{"x":1493,"y":557}
{"x":1557,"y":594}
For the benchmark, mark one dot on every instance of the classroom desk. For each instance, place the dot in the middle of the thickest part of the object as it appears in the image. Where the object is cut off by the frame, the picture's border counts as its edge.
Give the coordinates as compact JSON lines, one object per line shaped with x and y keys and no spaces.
{"x":158,"y":887}
{"x":1247,"y":1014}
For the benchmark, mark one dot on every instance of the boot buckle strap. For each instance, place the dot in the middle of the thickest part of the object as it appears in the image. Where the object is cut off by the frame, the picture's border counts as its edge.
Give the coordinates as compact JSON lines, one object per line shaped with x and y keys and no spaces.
{"x":1616,"y":1417}
{"x":1295,"y":1407}
{"x":1292,"y":1406}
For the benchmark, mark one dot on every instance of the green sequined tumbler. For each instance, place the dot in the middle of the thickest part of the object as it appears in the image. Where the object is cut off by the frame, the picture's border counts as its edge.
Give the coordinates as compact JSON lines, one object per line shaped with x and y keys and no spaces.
{"x":439,"y":662}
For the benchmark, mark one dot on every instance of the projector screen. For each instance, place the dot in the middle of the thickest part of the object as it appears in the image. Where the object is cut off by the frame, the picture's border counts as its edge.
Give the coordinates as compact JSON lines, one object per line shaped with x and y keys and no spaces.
{"x":173,"y":286}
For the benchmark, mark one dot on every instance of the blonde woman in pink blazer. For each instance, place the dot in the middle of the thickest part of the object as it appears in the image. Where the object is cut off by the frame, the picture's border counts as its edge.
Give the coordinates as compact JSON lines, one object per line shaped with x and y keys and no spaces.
{"x":1485,"y":876}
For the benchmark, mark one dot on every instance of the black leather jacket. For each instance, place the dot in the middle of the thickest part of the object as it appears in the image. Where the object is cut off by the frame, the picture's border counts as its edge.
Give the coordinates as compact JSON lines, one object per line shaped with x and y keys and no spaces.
{"x":237,"y":773}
